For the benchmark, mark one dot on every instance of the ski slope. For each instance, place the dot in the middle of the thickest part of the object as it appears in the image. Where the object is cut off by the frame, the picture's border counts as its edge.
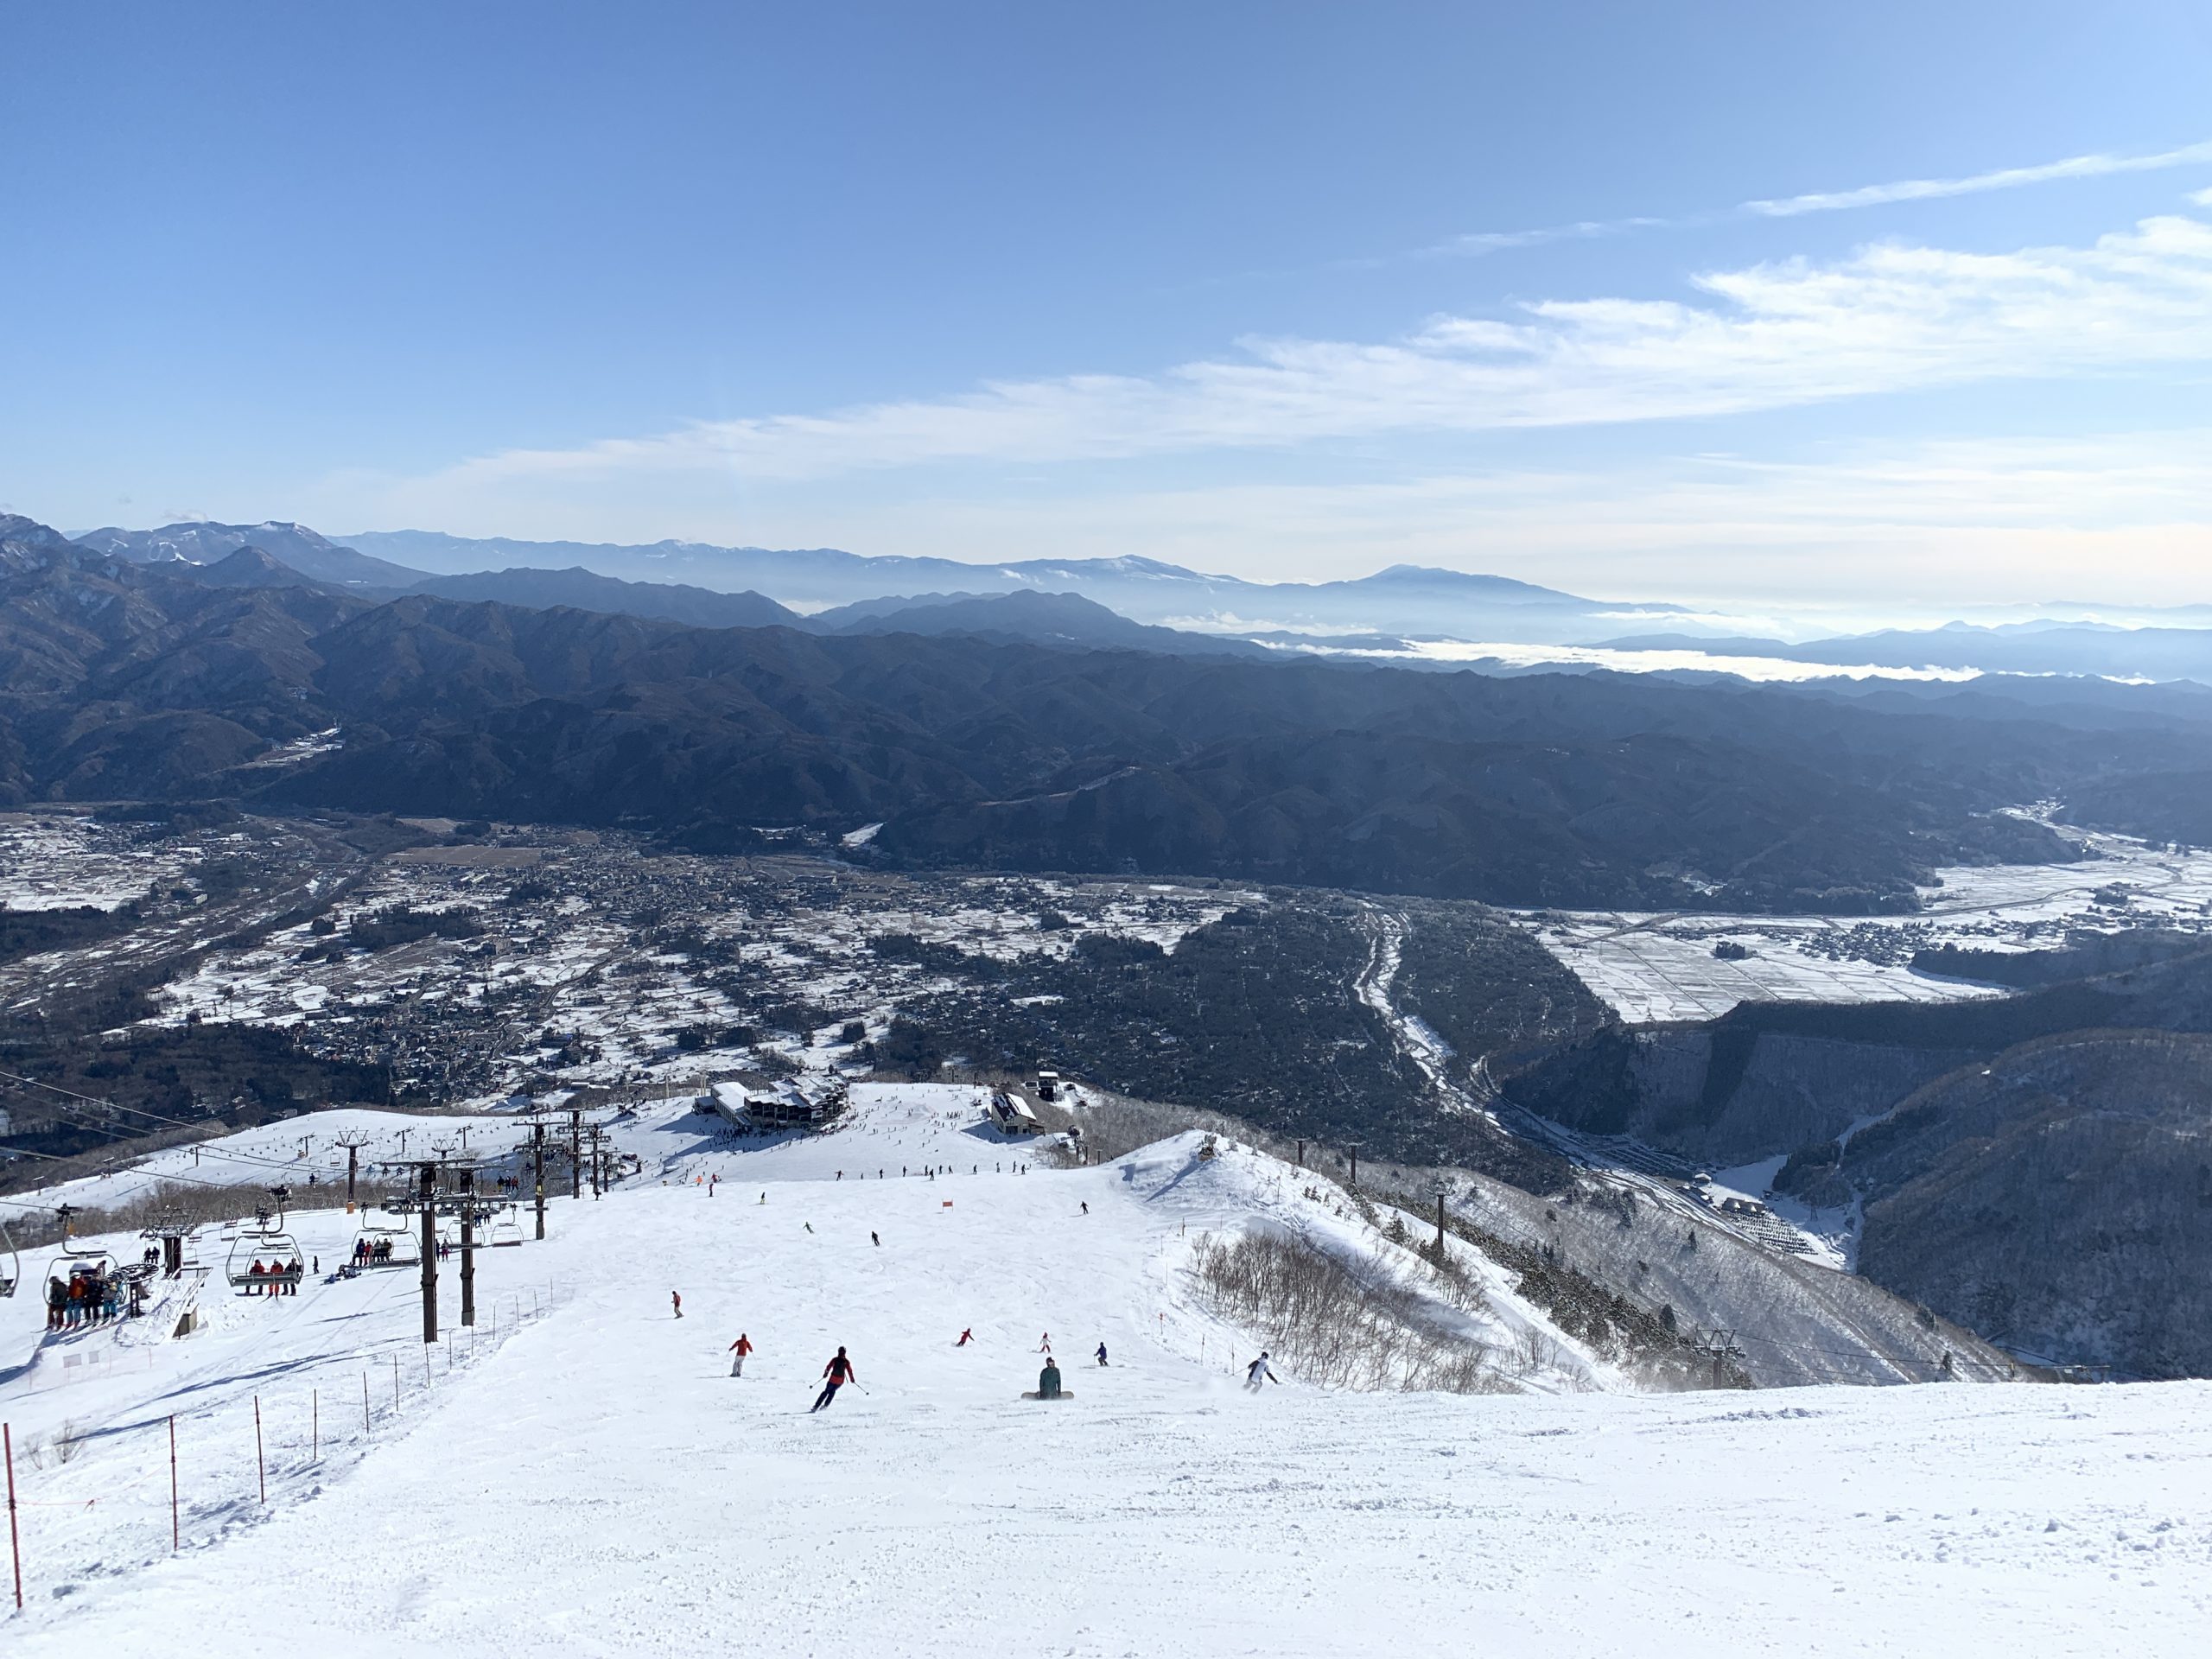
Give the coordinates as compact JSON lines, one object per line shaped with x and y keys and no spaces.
{"x":585,"y":1477}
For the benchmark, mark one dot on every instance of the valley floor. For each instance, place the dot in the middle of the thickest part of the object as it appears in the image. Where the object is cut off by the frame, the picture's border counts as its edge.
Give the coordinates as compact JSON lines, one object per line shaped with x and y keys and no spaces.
{"x":588,"y":1479}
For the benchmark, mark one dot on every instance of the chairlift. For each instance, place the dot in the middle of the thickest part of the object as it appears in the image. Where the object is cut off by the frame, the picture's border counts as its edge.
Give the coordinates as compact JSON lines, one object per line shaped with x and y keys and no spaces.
{"x":80,"y":1261}
{"x":264,"y":1253}
{"x":388,"y":1233}
{"x":506,"y":1226}
{"x":11,"y":1263}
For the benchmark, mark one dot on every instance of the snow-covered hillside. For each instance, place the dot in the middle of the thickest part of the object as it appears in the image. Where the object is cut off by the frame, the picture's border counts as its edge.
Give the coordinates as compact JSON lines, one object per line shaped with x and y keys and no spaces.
{"x":582,"y":1474}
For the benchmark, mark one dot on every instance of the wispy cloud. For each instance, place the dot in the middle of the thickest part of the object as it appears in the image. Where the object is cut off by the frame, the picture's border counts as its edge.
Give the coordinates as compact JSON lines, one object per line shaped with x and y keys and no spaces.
{"x":1888,"y":318}
{"x":2099,"y":165}
{"x":2008,"y":178}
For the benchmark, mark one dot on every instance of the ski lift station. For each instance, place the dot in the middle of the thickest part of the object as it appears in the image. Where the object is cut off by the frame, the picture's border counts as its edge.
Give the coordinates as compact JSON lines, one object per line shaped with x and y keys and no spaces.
{"x":792,"y":1103}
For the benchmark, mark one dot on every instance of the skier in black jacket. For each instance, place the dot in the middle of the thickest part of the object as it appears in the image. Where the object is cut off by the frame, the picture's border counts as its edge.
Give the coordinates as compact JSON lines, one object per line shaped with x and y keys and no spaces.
{"x":840,"y":1372}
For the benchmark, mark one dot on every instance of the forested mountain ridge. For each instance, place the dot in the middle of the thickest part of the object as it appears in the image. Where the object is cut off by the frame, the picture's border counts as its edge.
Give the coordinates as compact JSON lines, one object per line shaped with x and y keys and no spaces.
{"x":127,"y":680}
{"x":2033,"y":1166}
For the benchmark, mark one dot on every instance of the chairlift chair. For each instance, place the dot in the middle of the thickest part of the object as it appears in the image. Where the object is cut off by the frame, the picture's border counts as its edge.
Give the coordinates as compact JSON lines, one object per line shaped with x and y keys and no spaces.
{"x":268,"y":1246}
{"x":396,"y":1228}
{"x":11,"y":1263}
{"x":506,"y":1226}
{"x":74,"y":1263}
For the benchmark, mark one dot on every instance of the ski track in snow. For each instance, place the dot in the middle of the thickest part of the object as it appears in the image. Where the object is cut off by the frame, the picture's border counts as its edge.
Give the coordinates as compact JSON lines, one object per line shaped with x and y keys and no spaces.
{"x":593,"y":1482}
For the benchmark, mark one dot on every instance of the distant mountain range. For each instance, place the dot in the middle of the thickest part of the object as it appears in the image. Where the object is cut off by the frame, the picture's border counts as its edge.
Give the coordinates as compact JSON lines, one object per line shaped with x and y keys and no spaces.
{"x":1403,"y":599}
{"x":1131,"y":603}
{"x":586,"y":590}
{"x":1038,"y":618}
{"x":165,"y":681}
{"x":284,"y":555}
{"x":293,"y":545}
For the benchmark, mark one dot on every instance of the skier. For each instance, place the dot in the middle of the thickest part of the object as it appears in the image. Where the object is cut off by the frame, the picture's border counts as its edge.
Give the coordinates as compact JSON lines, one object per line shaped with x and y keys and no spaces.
{"x":1257,"y":1374}
{"x":742,"y":1347}
{"x":1046,"y":1346}
{"x":1102,"y":1353}
{"x":967,"y":1336}
{"x":878,"y":1241}
{"x":676,"y":1297}
{"x":839,"y":1371}
{"x":1086,"y":1206}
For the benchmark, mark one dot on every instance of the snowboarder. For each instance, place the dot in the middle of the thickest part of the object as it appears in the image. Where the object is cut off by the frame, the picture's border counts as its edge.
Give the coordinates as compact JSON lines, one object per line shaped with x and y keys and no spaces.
{"x":1086,"y":1206}
{"x":1102,"y":1353}
{"x":839,"y":1371}
{"x":967,"y":1336}
{"x":742,"y":1347}
{"x":676,"y":1297}
{"x":876,"y":1241}
{"x":1257,"y":1374}
{"x":1048,"y":1381}
{"x":1046,"y":1345}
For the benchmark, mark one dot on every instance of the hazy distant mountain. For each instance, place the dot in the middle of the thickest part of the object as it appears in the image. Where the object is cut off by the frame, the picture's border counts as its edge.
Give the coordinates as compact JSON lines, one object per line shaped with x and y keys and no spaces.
{"x":2045,"y":647}
{"x":311,"y":555}
{"x":1401,"y":599}
{"x":1040,"y":619}
{"x":26,"y":538}
{"x":250,"y":567}
{"x":585,"y":590}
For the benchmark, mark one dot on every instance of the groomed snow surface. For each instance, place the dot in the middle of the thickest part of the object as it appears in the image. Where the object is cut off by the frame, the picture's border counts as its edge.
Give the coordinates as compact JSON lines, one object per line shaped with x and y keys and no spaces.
{"x":584,"y":1477}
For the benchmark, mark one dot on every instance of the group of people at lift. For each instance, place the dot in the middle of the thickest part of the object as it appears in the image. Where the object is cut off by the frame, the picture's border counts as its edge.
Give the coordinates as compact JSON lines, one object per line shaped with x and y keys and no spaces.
{"x":279,"y":1277}
{"x":86,"y":1297}
{"x":372,"y":1252}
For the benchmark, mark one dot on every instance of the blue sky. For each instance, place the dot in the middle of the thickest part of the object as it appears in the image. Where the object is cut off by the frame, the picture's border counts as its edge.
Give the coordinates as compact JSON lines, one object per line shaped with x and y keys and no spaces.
{"x":1284,"y":290}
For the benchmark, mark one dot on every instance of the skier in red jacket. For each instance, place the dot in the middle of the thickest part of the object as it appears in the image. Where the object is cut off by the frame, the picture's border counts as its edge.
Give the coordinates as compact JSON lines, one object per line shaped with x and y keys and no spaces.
{"x":742,"y":1347}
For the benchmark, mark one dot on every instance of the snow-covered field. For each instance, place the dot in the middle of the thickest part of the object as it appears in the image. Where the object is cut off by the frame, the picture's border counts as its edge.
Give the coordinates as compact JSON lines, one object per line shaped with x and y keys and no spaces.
{"x":50,"y":861}
{"x":584,"y":1475}
{"x":1653,"y":968}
